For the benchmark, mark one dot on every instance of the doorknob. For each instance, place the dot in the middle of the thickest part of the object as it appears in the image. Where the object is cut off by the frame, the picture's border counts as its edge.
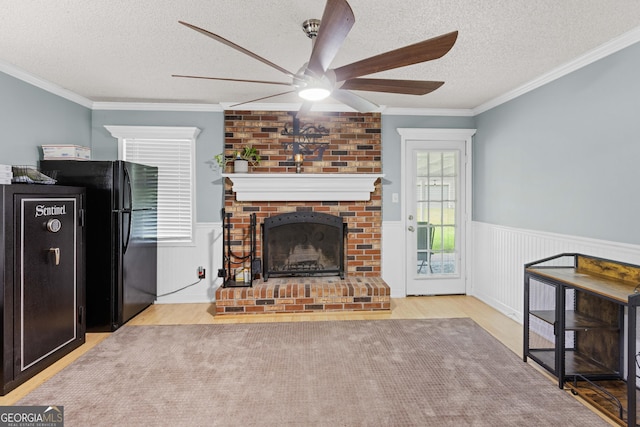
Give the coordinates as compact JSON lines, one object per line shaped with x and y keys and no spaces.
{"x":56,"y":254}
{"x":410,"y":217}
{"x":410,"y":228}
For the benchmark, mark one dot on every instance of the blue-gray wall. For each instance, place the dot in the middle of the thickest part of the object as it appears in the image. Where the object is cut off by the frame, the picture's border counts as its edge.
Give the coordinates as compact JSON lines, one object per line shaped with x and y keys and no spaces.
{"x":564,"y":157}
{"x":31,"y":117}
{"x":210,"y":142}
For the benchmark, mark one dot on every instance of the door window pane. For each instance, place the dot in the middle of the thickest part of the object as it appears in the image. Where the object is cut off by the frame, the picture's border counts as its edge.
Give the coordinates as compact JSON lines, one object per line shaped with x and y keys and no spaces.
{"x":436,"y":203}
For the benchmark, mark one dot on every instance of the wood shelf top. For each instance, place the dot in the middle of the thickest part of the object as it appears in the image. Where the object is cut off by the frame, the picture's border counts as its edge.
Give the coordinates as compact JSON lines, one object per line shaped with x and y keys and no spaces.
{"x":610,"y":279}
{"x":617,"y":290}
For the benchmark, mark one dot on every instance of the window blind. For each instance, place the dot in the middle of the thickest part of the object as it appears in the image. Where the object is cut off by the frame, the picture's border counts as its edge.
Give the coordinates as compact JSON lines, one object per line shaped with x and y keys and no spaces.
{"x":174,"y":159}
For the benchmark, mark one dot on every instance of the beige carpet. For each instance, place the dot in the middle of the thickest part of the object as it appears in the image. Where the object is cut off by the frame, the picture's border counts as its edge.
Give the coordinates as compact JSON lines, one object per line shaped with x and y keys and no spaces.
{"x":434,"y":372}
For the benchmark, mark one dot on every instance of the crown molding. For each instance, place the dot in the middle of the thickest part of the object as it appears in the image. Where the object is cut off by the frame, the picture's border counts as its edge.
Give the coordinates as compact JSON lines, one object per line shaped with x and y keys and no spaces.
{"x":292,"y":106}
{"x":396,"y":111}
{"x":613,"y":46}
{"x":340,"y":108}
{"x":155,"y":106}
{"x":36,"y":81}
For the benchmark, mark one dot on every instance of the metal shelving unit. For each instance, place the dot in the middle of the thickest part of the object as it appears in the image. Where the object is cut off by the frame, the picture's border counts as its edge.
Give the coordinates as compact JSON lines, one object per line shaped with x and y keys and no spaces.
{"x":580,"y":325}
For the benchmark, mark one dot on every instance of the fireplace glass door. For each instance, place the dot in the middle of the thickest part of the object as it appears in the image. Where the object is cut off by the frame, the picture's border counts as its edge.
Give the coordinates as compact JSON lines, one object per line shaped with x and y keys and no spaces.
{"x":303,"y":244}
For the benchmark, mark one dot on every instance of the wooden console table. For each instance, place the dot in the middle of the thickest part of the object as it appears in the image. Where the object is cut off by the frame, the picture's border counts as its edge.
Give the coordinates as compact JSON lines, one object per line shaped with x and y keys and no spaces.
{"x":580,"y":324}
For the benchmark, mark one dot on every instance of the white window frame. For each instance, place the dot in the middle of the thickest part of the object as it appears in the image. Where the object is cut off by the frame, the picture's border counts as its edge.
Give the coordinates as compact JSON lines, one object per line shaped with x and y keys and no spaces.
{"x":158,"y":134}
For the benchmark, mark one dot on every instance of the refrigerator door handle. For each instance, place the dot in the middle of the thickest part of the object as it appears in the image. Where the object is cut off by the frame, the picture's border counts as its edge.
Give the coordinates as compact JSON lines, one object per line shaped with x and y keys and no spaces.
{"x":126,"y":243}
{"x":127,"y":209}
{"x":127,"y":180}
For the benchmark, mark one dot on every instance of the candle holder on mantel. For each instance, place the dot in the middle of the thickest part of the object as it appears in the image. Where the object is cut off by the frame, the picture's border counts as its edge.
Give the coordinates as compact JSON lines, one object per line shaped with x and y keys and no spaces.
{"x":297,"y":158}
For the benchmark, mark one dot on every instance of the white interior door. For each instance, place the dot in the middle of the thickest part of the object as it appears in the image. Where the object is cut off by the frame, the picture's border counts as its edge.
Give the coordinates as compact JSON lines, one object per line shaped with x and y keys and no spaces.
{"x":435,"y":217}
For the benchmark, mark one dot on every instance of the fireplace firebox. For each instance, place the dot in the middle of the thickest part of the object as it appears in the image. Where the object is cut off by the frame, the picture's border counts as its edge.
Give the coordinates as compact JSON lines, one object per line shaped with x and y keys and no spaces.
{"x":301,"y":244}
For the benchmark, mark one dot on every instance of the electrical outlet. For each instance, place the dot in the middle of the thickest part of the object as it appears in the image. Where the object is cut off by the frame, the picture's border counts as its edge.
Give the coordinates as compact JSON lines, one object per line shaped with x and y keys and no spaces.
{"x":201,"y":273}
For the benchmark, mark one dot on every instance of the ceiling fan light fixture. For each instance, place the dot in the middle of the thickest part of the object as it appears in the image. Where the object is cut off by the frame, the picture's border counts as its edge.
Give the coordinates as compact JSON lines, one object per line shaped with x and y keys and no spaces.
{"x":311,"y":88}
{"x":312,"y":93}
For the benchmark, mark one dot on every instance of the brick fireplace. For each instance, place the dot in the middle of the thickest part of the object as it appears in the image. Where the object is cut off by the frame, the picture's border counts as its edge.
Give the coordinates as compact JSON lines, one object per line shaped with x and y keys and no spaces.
{"x":354,"y":147}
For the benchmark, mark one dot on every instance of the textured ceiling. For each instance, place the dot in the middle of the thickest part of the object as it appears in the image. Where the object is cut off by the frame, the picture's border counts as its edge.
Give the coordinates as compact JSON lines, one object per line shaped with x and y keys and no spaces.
{"x":125,"y":50}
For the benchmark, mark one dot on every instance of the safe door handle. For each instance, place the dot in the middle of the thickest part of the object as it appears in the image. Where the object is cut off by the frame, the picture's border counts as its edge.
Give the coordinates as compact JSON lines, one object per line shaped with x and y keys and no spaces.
{"x":56,"y":254}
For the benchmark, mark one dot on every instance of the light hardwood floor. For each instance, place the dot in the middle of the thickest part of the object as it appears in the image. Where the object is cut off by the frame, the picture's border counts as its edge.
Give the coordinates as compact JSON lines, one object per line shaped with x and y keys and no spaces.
{"x":503,"y":328}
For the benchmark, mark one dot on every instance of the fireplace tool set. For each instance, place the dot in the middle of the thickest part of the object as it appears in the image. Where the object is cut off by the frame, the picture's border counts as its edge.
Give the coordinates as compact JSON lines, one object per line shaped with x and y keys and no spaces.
{"x":236,"y":273}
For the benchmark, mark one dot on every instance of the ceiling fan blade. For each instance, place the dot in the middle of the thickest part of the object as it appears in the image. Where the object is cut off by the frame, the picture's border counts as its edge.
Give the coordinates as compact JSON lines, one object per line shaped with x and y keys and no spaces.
{"x":232,"y":80}
{"x":304,"y":109}
{"x":337,"y":20}
{"x":238,"y":48}
{"x":413,"y":54}
{"x":260,"y":99}
{"x":354,"y":101}
{"x":408,"y":87}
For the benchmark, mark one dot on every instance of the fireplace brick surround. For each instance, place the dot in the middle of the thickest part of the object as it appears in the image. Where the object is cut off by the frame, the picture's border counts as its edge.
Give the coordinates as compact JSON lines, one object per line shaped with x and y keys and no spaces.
{"x":354,"y":147}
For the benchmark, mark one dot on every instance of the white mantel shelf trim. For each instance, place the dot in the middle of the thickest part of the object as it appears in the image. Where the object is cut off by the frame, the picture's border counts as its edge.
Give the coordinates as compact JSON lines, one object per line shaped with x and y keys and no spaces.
{"x":296,"y":187}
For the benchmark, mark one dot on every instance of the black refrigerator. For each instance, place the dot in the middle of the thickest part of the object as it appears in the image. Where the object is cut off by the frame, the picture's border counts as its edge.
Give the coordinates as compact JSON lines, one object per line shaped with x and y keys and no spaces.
{"x":121,"y":236}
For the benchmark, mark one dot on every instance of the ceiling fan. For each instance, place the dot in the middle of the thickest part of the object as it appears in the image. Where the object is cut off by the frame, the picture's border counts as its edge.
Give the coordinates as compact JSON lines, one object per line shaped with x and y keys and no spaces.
{"x":315,"y":80}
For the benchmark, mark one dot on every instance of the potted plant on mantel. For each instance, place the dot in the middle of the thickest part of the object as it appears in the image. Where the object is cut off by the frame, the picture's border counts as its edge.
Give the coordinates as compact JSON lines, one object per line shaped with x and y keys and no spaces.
{"x":241,"y":159}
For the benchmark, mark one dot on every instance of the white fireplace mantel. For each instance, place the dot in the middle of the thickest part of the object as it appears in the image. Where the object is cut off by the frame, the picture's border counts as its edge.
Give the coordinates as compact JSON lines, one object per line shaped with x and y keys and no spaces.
{"x":294,"y":187}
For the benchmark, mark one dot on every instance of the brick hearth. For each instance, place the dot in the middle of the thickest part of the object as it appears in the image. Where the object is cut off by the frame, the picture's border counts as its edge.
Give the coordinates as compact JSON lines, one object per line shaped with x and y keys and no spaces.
{"x":305,"y":294}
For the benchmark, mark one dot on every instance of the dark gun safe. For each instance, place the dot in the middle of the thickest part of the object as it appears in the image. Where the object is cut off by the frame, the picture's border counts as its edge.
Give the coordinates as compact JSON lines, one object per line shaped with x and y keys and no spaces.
{"x":43,"y":278}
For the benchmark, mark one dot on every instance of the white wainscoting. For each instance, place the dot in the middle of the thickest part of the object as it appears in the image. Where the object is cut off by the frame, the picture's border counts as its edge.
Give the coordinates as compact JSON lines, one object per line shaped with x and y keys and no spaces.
{"x":393,"y":263}
{"x":499,"y":254}
{"x":177,"y":267}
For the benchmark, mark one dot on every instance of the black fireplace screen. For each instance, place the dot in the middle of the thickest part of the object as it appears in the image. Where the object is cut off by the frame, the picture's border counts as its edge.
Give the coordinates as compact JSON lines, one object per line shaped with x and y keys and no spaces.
{"x":303,"y":244}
